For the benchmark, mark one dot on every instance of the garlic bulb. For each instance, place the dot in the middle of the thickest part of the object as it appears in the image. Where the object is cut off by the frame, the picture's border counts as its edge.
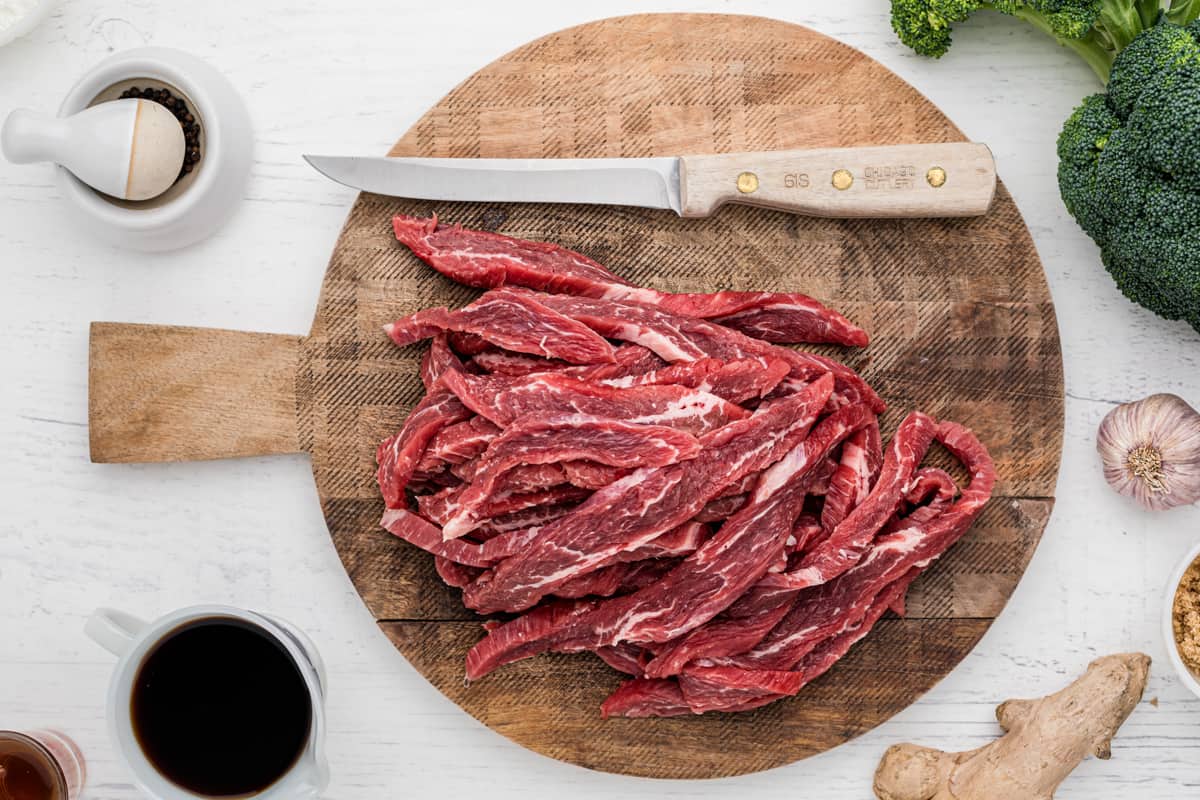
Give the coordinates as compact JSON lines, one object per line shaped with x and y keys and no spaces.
{"x":1151,"y":451}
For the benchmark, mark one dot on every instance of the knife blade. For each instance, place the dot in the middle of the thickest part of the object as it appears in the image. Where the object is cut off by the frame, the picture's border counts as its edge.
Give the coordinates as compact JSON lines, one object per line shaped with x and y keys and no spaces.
{"x":922,"y":180}
{"x":644,"y":182}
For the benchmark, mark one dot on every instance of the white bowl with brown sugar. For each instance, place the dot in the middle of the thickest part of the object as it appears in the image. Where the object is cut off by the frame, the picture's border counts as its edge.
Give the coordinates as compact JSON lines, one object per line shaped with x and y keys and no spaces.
{"x":1181,"y":619}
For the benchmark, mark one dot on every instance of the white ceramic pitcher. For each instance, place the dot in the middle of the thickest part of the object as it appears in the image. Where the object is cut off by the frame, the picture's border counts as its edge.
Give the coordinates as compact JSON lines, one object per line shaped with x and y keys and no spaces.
{"x":131,"y":639}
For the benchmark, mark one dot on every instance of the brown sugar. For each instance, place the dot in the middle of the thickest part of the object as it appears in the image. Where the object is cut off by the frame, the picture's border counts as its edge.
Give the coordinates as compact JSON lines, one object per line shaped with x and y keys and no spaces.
{"x":1186,"y":617}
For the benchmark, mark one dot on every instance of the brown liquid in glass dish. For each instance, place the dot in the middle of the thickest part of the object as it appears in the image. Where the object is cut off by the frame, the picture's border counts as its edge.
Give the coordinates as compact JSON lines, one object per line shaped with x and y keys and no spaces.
{"x":220,"y":708}
{"x":27,"y":771}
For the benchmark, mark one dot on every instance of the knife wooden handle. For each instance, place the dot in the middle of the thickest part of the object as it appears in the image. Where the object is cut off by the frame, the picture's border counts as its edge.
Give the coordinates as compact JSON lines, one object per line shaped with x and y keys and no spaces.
{"x":910,"y":180}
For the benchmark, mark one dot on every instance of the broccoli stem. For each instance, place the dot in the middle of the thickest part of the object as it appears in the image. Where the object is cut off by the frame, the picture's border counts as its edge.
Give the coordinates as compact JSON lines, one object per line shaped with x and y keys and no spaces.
{"x":1182,"y":12}
{"x":1095,"y":55}
{"x":1120,"y":21}
{"x":1149,"y":10}
{"x":1091,"y":48}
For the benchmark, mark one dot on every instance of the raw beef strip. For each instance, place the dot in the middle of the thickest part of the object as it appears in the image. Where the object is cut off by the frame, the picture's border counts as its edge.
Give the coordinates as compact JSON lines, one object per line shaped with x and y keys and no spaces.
{"x":848,"y":541}
{"x":512,"y":320}
{"x":465,"y":471}
{"x":735,"y":689}
{"x":678,"y":338}
{"x":399,"y":455}
{"x":505,"y":400}
{"x":629,"y":576}
{"x":431,"y":482}
{"x":502,"y":362}
{"x":443,"y":505}
{"x":636,"y":509}
{"x":584,"y":474}
{"x":521,"y":478}
{"x":829,"y":651}
{"x":729,"y":688}
{"x":679,"y":541}
{"x":437,"y":359}
{"x":630,"y":359}
{"x":468,"y":344}
{"x":930,"y":492}
{"x":722,"y":508}
{"x":459,"y":443}
{"x":705,"y":583}
{"x":821,"y":486}
{"x":851,"y":481}
{"x":666,"y":548}
{"x":603,"y":582}
{"x":743,"y":486}
{"x":789,"y":321}
{"x":565,"y":438}
{"x":807,"y":529}
{"x":736,"y":381}
{"x":545,"y":475}
{"x":742,"y":626}
{"x":590,"y":475}
{"x":625,"y":658}
{"x":646,"y":697}
{"x":526,"y":518}
{"x":831,"y":608}
{"x":650,"y":697}
{"x":454,"y":574}
{"x":427,"y":536}
{"x":704,"y":689}
{"x":520,"y":529}
{"x":486,"y":260}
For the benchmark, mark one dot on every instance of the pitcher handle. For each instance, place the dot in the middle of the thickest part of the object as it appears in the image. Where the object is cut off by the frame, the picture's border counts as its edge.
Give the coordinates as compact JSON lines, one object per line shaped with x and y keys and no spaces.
{"x":113,"y":630}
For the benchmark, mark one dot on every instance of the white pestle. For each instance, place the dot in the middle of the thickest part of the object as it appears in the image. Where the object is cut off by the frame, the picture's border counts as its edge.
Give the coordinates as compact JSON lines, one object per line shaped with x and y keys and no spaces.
{"x":132,"y":149}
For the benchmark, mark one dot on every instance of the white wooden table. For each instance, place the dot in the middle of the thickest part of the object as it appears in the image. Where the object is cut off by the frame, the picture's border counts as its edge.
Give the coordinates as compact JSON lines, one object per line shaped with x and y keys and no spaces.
{"x":351,"y":76}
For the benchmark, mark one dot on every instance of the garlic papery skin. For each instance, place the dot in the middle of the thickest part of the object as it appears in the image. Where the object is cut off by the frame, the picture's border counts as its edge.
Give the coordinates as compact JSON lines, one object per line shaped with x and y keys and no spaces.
{"x":1151,"y":451}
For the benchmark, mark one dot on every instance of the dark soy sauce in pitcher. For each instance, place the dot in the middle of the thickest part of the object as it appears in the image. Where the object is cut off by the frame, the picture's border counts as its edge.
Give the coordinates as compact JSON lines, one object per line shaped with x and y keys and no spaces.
{"x":220,"y":708}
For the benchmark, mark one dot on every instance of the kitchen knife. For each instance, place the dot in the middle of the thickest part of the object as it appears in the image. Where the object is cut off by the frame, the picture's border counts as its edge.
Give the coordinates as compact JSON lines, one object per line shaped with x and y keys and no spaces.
{"x":911,"y":180}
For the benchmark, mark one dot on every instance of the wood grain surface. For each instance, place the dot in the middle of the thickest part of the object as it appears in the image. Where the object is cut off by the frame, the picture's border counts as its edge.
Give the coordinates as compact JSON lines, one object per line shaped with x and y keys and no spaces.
{"x":961,"y":321}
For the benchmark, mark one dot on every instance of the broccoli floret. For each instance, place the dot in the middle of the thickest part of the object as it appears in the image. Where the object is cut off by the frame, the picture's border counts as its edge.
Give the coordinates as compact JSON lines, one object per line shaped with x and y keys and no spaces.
{"x":1095,"y":29}
{"x":1065,"y":19}
{"x":924,"y":25}
{"x":1129,"y":171}
{"x":1162,"y":47}
{"x":1129,"y":158}
{"x":1080,"y":144}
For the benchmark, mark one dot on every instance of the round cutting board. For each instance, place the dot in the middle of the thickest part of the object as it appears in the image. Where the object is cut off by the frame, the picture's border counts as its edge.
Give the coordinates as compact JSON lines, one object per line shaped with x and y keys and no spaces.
{"x":960,"y":316}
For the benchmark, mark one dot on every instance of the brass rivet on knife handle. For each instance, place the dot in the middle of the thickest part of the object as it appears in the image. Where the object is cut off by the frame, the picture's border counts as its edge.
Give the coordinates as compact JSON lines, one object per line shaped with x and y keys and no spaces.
{"x":747,"y":182}
{"x":936,"y":176}
{"x":842,"y":179}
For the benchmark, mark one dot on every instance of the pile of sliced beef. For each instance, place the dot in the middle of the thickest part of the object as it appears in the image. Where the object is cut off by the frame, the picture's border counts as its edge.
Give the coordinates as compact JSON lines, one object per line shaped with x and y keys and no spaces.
{"x":650,"y":477}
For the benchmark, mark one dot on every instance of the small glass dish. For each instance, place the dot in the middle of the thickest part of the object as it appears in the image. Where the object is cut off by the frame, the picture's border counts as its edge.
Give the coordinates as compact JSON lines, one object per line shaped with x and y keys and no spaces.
{"x":1186,"y":676}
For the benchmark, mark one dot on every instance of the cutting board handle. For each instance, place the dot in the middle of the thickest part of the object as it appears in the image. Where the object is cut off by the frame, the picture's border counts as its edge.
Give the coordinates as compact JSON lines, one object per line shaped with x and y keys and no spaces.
{"x":159,"y":393}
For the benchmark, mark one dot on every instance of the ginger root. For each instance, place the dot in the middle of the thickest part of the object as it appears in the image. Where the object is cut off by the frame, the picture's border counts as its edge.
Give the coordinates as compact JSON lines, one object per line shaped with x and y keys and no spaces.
{"x":1044,"y":740}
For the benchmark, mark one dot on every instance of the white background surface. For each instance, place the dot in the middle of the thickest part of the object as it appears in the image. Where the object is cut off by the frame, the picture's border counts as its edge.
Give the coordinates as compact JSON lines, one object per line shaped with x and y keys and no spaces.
{"x":350,"y":77}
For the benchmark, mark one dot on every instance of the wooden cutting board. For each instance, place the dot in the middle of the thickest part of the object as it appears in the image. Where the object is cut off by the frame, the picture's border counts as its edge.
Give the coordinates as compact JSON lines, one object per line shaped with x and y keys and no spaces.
{"x":961,"y":321}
